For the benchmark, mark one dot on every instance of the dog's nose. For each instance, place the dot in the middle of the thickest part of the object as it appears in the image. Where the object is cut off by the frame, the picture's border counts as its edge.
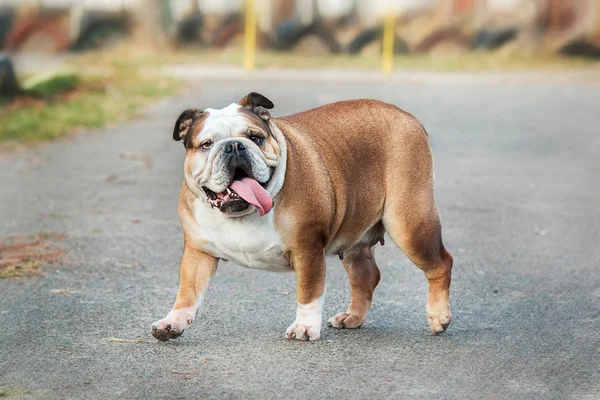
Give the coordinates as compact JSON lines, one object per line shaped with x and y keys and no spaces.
{"x":236,"y":146}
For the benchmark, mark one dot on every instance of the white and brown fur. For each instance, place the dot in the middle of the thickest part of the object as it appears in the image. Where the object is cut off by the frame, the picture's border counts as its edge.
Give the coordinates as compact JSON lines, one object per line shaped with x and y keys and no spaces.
{"x":346,"y":173}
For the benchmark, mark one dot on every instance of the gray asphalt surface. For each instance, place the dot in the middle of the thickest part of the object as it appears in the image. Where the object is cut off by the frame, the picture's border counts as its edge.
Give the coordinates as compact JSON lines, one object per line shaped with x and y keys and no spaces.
{"x":517,"y":184}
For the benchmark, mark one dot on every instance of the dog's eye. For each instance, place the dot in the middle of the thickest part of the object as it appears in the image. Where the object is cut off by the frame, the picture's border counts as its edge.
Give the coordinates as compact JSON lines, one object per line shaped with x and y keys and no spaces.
{"x":206,"y":145}
{"x":259,"y":140}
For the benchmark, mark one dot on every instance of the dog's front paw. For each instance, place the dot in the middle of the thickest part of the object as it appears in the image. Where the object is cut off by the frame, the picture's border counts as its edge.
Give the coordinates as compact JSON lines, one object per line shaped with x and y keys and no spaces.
{"x":345,"y":320}
{"x":299,"y":331}
{"x":164,"y":330}
{"x":173,"y":325}
{"x":438,"y":316}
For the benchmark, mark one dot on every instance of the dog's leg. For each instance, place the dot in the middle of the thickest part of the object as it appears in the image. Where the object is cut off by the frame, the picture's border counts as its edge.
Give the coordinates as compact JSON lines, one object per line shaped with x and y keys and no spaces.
{"x":310,"y":293}
{"x":195,"y":273}
{"x":417,"y":232}
{"x":364,"y":277}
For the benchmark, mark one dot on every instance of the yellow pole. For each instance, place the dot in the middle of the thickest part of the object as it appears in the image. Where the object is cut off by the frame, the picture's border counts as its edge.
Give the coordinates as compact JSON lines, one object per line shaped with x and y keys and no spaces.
{"x":387,"y":58}
{"x":249,"y":36}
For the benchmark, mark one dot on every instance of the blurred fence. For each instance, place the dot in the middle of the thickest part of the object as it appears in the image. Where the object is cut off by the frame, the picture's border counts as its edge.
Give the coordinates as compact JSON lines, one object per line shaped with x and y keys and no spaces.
{"x":318,"y":26}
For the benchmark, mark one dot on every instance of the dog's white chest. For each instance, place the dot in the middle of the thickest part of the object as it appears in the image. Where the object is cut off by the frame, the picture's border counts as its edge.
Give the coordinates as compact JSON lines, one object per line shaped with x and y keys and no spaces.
{"x":251,"y":241}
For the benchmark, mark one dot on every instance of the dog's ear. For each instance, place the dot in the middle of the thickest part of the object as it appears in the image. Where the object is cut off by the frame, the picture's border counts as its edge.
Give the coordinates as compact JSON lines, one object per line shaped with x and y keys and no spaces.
{"x":258,"y":104}
{"x":184,"y":123}
{"x":254,"y":99}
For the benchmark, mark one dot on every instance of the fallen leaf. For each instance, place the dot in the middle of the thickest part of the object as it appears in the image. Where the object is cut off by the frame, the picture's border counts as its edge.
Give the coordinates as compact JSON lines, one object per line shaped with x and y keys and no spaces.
{"x":63,"y":291}
{"x":119,"y":340}
{"x":185,"y":373}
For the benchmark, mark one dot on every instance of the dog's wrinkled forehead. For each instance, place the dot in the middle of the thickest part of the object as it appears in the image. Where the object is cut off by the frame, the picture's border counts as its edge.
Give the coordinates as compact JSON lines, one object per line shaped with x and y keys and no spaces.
{"x":249,"y":114}
{"x":218,"y":124}
{"x":225,"y":122}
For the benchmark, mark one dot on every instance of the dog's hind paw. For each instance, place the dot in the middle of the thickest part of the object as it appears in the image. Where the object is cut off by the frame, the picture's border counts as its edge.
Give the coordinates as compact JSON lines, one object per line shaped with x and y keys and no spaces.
{"x":344,"y":320}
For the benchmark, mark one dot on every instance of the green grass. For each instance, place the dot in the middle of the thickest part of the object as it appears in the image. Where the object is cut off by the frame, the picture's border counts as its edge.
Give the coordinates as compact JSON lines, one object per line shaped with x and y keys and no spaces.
{"x":114,"y":93}
{"x":14,"y":392}
{"x":51,"y":83}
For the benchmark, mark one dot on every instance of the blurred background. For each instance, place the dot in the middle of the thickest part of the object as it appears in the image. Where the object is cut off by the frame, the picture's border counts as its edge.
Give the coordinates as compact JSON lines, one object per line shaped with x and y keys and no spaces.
{"x":312,"y":26}
{"x":112,"y":55}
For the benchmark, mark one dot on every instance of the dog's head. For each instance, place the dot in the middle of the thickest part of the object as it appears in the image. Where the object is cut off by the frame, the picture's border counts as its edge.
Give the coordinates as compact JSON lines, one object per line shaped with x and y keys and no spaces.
{"x":232,"y":155}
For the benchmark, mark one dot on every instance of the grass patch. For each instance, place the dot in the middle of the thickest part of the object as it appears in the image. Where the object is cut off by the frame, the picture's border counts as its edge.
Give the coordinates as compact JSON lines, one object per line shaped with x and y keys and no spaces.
{"x":24,"y":255}
{"x":50,"y":84}
{"x":13,"y":392}
{"x":111,"y":92}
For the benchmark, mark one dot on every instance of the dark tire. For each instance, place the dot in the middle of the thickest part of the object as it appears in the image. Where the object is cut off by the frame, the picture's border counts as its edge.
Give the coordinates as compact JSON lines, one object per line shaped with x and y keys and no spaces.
{"x":581,"y":49}
{"x":492,"y":40}
{"x":100,"y":34}
{"x":283,"y":32}
{"x":289,"y":34}
{"x":189,"y":30}
{"x":369,"y":35}
{"x":6,"y":22}
{"x":327,"y":37}
{"x":9,"y":86}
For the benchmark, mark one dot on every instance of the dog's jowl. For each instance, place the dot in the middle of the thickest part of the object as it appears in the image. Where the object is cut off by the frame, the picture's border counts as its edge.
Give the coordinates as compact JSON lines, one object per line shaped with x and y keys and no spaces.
{"x":283,"y":193}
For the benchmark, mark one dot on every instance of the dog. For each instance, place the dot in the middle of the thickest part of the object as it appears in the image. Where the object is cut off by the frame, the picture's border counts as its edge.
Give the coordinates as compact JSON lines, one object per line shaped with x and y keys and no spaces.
{"x":283,"y":193}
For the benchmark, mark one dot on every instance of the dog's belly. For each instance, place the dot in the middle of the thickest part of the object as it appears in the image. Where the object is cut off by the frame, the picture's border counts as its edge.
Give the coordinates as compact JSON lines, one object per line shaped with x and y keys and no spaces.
{"x":266,"y":256}
{"x":250,"y":242}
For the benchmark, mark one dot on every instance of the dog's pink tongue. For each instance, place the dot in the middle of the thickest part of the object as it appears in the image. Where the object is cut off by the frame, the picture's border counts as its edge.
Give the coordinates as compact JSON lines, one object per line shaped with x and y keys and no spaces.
{"x":253,"y":193}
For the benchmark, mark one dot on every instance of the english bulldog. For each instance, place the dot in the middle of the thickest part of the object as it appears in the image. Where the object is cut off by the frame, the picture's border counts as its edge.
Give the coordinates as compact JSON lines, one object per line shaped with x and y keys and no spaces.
{"x":283,"y":193}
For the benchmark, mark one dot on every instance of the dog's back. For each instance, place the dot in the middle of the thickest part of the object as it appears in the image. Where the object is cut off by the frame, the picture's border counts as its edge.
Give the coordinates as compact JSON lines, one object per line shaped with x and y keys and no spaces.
{"x":364,"y":148}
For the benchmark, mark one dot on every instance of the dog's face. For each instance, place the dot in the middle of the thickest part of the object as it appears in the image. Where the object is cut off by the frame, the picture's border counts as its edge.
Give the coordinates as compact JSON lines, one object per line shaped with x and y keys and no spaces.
{"x":231,"y":155}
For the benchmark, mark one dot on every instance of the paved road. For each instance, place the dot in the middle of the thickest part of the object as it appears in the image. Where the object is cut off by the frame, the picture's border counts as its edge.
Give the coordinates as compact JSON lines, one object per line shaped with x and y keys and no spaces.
{"x":517,"y":184}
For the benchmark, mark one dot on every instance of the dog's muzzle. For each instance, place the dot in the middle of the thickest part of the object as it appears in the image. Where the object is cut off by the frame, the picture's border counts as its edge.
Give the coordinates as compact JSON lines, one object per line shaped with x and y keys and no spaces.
{"x":243,"y":188}
{"x":236,"y":156}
